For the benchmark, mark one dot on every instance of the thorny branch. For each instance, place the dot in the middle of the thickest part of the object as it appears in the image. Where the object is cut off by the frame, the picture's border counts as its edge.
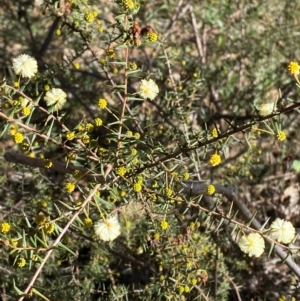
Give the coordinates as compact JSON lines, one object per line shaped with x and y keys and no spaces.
{"x":192,"y":188}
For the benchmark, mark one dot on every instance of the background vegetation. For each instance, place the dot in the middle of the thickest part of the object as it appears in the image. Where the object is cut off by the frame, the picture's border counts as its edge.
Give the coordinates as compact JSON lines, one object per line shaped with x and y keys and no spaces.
{"x":215,"y":63}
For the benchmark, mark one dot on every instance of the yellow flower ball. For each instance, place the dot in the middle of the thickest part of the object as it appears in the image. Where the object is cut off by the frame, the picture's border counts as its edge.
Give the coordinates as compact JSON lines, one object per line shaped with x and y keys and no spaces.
{"x":215,"y":160}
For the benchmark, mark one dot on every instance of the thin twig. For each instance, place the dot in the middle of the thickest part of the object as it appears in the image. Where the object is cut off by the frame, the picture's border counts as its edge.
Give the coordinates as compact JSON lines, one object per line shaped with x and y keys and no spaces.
{"x":122,"y":113}
{"x":197,"y":37}
{"x":201,"y":292}
{"x":234,"y":286}
{"x":58,"y":239}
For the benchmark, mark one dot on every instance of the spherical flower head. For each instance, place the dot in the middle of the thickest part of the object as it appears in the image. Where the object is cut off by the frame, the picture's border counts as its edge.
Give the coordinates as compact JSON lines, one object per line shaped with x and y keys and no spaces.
{"x":55,"y":97}
{"x":168,"y":191}
{"x":215,"y":160}
{"x":132,"y":66}
{"x":89,"y":17}
{"x":25,"y":65}
{"x":133,"y":151}
{"x":85,"y":139}
{"x":70,"y":187}
{"x":252,"y":244}
{"x":102,"y":103}
{"x":282,"y":231}
{"x":18,"y":138}
{"x":109,"y":229}
{"x":148,"y":89}
{"x":48,"y":163}
{"x":21,"y":262}
{"x":25,"y":147}
{"x":72,"y":156}
{"x":152,"y":37}
{"x":210,"y":189}
{"x":137,"y":187}
{"x":129,"y":4}
{"x":186,"y":176}
{"x":214,"y":133}
{"x":281,"y":136}
{"x":98,"y":122}
{"x":110,"y":52}
{"x":164,"y":225}
{"x":121,"y":171}
{"x":49,"y":228}
{"x":40,"y":219}
{"x":265,"y":109}
{"x":88,"y":222}
{"x":46,"y":88}
{"x":26,"y":111}
{"x":294,"y":68}
{"x":70,"y":135}
{"x":5,"y":228}
{"x":89,"y":127}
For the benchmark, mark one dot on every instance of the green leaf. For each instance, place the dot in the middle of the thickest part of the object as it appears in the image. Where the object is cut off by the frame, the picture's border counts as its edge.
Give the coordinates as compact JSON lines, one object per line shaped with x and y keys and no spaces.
{"x":39,"y":294}
{"x":62,"y":246}
{"x":19,"y":292}
{"x":296,"y":165}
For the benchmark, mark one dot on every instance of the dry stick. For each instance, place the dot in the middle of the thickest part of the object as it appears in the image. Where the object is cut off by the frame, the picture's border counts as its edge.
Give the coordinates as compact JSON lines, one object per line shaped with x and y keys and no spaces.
{"x":122,"y":113}
{"x":58,"y":239}
{"x":201,"y":292}
{"x":196,"y":188}
{"x":178,"y":10}
{"x":234,"y":286}
{"x":196,"y":33}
